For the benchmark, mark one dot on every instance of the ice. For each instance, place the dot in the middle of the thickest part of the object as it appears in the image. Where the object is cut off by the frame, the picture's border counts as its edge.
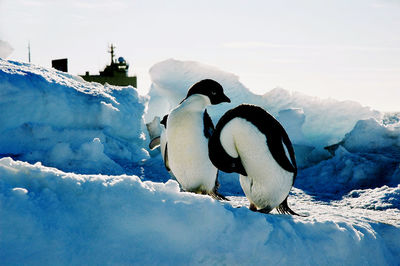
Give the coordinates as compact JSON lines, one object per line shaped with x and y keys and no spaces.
{"x":372,"y":136}
{"x":326,"y":120}
{"x":79,"y":184}
{"x":347,"y":171}
{"x":367,"y":157}
{"x":292,"y":120}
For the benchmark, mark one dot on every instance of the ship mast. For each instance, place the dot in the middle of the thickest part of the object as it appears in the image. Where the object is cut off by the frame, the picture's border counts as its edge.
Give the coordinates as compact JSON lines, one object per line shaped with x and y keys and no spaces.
{"x":111,"y":51}
{"x":29,"y":52}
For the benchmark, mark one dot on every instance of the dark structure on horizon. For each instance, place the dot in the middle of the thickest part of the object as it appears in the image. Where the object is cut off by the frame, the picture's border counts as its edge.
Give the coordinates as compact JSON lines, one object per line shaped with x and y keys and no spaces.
{"x":114,"y":74}
{"x":59,"y":64}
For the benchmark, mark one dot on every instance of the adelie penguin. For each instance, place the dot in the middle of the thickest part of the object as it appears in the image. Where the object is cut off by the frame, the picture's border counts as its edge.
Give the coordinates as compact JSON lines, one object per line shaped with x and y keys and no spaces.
{"x":188,"y":129}
{"x":249,"y":141}
{"x":156,"y":131}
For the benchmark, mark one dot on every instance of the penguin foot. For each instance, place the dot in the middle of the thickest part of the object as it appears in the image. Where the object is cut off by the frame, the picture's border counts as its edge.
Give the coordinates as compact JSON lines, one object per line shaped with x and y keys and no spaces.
{"x":252,"y":207}
{"x":265,"y":210}
{"x":283,"y":208}
{"x":214,"y":194}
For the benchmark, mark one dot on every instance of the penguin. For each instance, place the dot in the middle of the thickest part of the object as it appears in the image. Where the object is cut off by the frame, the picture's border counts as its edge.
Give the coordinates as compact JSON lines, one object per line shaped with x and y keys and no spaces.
{"x":249,"y":141}
{"x":158,"y":139}
{"x":154,"y":129}
{"x":188,"y":129}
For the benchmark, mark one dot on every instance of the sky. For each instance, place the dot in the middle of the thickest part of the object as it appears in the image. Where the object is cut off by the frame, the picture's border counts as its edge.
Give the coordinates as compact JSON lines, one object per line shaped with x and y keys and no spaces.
{"x":342,"y":49}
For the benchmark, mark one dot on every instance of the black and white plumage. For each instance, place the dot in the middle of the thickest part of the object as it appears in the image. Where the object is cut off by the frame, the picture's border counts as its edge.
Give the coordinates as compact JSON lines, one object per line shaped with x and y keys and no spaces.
{"x":249,"y":141}
{"x":188,"y":129}
{"x":157,"y":133}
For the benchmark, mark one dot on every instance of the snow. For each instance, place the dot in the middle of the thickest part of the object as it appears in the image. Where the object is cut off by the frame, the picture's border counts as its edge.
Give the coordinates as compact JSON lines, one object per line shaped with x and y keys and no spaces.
{"x":53,"y":216}
{"x":79,"y":185}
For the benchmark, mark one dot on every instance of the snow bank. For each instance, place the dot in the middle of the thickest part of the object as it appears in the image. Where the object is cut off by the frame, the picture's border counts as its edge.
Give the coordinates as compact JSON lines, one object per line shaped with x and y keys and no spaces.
{"x":53,"y":217}
{"x":65,"y":122}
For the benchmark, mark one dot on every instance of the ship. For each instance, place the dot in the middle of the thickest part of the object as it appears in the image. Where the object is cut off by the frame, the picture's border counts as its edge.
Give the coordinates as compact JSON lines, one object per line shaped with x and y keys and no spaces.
{"x":114,"y":74}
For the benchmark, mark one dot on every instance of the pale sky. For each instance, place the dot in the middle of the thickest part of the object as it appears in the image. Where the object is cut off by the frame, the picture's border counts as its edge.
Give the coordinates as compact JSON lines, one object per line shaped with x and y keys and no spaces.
{"x":342,"y":49}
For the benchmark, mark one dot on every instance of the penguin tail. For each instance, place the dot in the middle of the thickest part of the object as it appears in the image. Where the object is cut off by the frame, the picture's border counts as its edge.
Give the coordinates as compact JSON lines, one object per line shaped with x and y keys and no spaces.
{"x":283,"y":208}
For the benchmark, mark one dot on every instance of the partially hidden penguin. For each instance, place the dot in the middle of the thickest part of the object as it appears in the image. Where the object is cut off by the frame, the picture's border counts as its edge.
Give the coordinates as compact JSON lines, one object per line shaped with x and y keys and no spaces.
{"x":156,"y":131}
{"x":188,"y":129}
{"x":249,"y":141}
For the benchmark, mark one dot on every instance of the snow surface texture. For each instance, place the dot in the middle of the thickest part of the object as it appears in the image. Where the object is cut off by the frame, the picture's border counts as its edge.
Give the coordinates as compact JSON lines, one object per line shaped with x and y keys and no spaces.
{"x":71,"y":215}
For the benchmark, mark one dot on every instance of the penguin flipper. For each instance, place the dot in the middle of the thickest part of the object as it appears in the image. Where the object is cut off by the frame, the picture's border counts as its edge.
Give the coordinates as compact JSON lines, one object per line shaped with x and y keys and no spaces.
{"x":283,"y":208}
{"x":278,"y":143}
{"x":208,"y":125}
{"x":238,"y":166}
{"x":154,"y":143}
{"x":166,"y":162}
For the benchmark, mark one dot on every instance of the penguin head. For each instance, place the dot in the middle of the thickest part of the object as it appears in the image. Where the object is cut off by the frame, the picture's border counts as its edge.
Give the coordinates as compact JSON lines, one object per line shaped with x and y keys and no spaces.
{"x":210,"y":88}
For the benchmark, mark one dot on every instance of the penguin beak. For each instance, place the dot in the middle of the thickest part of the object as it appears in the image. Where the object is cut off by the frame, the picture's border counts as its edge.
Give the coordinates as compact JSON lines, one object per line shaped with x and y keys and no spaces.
{"x":225,"y":98}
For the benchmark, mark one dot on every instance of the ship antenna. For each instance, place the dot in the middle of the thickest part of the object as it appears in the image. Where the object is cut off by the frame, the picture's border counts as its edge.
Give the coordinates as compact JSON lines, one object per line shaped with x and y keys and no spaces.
{"x":29,"y":51}
{"x":112,"y":53}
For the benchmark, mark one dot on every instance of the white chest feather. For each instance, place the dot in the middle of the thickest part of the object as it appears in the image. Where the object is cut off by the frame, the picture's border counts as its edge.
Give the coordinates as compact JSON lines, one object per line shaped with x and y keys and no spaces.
{"x":188,"y":147}
{"x":267,"y":183}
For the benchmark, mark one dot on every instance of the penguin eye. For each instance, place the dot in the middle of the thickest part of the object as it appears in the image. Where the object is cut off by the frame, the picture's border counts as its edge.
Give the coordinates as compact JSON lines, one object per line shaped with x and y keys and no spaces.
{"x":213,"y":93}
